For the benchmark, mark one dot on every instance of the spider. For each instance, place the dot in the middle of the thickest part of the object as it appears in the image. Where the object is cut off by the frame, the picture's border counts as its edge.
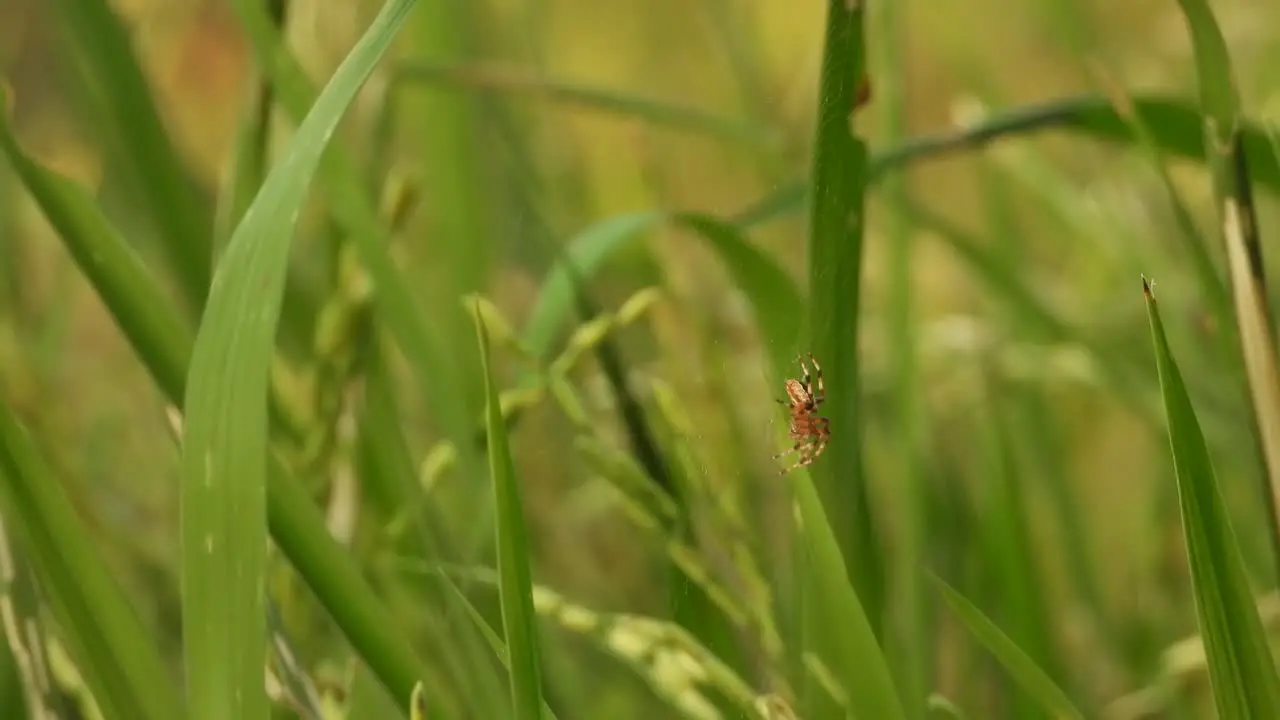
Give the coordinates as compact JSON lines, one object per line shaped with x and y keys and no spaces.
{"x":810,"y":431}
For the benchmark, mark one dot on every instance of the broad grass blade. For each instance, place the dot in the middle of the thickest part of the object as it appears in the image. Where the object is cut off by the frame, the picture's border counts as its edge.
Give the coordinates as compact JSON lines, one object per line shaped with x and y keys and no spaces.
{"x":224,"y":497}
{"x":1242,"y":673}
{"x":159,"y":337}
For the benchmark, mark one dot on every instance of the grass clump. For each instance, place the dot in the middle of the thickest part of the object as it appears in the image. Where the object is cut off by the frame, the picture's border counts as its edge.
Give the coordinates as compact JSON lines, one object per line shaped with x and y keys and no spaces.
{"x":473,"y":368}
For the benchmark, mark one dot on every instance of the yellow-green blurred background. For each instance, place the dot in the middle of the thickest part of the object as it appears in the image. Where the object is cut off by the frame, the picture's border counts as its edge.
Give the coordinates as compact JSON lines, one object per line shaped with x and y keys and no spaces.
{"x":503,"y":174}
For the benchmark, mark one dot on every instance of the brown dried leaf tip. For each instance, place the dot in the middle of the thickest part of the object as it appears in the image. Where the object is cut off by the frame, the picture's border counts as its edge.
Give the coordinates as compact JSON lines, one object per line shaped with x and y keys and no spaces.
{"x":809,"y":431}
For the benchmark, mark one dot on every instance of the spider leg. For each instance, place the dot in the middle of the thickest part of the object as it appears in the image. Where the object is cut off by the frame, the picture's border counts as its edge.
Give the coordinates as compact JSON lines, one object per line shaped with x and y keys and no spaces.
{"x":820,"y":444}
{"x":821,"y":393}
{"x":803,"y":458}
{"x":804,"y":370}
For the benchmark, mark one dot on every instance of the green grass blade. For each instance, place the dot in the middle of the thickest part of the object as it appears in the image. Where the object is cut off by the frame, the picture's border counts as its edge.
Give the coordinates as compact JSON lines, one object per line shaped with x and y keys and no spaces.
{"x":516,"y":586}
{"x":157,"y":334}
{"x":839,"y":177}
{"x":845,"y":640}
{"x":299,"y":528}
{"x":224,"y":499}
{"x":109,"y":643}
{"x":1035,"y":682}
{"x":145,"y":314}
{"x":165,"y":189}
{"x":1242,"y":673}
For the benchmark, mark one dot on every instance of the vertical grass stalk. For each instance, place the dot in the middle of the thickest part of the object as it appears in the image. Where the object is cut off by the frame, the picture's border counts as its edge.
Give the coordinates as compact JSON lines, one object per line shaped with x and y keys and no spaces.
{"x":839,"y":176}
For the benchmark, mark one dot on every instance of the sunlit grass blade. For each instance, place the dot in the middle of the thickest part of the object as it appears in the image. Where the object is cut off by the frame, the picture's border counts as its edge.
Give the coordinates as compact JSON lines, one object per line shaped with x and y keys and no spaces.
{"x":1230,"y":165}
{"x":108,"y":641}
{"x":516,"y":585}
{"x":224,"y":498}
{"x":101,"y":48}
{"x":1242,"y":672}
{"x":492,"y":79}
{"x":1034,"y":682}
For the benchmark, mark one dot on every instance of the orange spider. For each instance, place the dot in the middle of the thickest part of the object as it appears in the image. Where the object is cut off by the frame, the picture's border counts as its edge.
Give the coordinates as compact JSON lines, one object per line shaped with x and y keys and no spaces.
{"x":810,"y":431}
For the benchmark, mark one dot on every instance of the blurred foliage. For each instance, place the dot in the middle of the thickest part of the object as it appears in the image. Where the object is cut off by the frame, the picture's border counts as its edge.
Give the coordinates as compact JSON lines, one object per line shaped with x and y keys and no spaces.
{"x":618,"y":190}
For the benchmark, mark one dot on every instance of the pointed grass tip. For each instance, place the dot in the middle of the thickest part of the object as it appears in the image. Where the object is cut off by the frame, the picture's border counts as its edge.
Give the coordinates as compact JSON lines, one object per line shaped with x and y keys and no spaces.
{"x":1148,"y":288}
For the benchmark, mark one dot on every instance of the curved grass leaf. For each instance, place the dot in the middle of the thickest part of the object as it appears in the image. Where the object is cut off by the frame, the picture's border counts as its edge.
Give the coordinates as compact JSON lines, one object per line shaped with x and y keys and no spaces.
{"x":1175,"y":127}
{"x":1035,"y":682}
{"x":108,"y":641}
{"x":515,"y":586}
{"x":224,"y":518}
{"x":1242,"y":673}
{"x":774,"y":297}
